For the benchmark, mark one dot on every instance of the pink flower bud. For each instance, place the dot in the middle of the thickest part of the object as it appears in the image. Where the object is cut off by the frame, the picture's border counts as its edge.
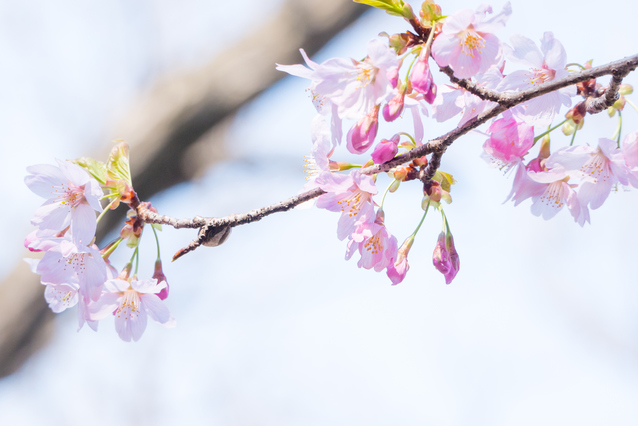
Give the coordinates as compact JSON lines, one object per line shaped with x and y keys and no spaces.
{"x":158,"y":274}
{"x":440,"y":257}
{"x":399,"y":268}
{"x":392,"y":110}
{"x":445,"y":257}
{"x":421,"y":77}
{"x":361,"y":135}
{"x":385,"y":150}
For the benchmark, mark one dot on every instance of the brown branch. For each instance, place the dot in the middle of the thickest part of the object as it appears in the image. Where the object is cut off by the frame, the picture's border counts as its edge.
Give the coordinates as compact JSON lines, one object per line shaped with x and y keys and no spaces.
{"x":437,"y":147}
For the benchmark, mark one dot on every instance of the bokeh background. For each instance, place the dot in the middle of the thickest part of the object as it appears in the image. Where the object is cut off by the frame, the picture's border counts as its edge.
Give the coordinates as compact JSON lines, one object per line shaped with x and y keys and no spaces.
{"x":274,"y":327}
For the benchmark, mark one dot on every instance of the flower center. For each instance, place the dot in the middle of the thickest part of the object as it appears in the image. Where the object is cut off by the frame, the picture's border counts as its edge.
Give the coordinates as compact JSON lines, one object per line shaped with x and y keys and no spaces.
{"x":373,"y":244}
{"x":540,"y":75}
{"x":366,"y":74}
{"x":130,"y":307}
{"x":553,"y":195}
{"x":597,"y":167}
{"x":471,"y":43}
{"x":352,"y":205}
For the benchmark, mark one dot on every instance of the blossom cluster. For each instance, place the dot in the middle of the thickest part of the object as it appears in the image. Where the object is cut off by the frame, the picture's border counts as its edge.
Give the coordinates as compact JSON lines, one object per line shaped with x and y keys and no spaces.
{"x":73,"y":269}
{"x":366,"y":93}
{"x":393,"y":83}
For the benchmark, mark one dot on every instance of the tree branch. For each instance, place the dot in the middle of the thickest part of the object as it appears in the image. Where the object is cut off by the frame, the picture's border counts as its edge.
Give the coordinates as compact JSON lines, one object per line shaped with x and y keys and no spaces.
{"x":437,"y":147}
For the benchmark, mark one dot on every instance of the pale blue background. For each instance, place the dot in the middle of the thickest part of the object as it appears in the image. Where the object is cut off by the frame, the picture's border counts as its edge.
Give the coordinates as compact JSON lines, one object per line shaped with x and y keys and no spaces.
{"x":275,"y":328}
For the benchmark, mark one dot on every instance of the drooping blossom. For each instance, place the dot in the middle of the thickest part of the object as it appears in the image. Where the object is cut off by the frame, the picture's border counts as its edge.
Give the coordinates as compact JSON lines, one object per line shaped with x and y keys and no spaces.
{"x":445,"y":257}
{"x":130,"y":302}
{"x":375,"y":244}
{"x":398,"y":267}
{"x":550,"y":192}
{"x":386,"y":149}
{"x":544,"y":65}
{"x":361,"y":136}
{"x":72,"y":196}
{"x":509,"y":139}
{"x":467,"y":43}
{"x":67,"y":263}
{"x":599,"y":169}
{"x":349,"y":194}
{"x":355,"y":87}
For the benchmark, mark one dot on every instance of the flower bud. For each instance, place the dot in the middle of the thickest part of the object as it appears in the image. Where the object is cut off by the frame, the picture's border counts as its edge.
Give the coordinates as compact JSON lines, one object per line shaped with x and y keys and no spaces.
{"x":393,"y":109}
{"x":361,"y":135}
{"x":386,"y":150}
{"x":421,"y":77}
{"x":399,"y":267}
{"x":626,"y":89}
{"x":158,"y":274}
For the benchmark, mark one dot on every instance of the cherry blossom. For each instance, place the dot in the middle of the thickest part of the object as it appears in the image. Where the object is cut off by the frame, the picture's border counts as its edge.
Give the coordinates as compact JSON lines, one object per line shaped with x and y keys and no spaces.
{"x":466,"y":42}
{"x":599,"y":168}
{"x":67,"y":262}
{"x":510,"y":139}
{"x":349,"y":194}
{"x":544,"y":65}
{"x":131,"y":301}
{"x":356,"y":87}
{"x":375,"y":244}
{"x":72,"y":196}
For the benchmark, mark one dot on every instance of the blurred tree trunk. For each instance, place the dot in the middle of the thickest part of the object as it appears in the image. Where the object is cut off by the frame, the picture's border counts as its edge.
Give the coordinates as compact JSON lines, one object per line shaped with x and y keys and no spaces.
{"x":175,"y":131}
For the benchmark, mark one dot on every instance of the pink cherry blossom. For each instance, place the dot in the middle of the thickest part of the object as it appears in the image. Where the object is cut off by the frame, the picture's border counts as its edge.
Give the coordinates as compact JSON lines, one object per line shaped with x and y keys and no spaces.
{"x":599,"y":168}
{"x":354,"y":86}
{"x":349,"y":194}
{"x":72,"y":196}
{"x":67,"y":263}
{"x":375,"y":244}
{"x":544,"y":65}
{"x":553,"y":194}
{"x":131,"y":302}
{"x":466,"y":42}
{"x":510,"y":139}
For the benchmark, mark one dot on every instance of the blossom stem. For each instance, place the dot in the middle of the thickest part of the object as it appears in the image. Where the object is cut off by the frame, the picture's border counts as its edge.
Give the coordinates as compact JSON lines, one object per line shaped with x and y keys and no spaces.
{"x":112,"y":248}
{"x":445,"y":227}
{"x":386,"y":193}
{"x":136,"y":255}
{"x":573,"y":136}
{"x":422,"y":219}
{"x":575,"y":65}
{"x":409,"y":136}
{"x":105,"y":210}
{"x":632,"y":104}
{"x":618,"y":131}
{"x":156,"y":242}
{"x":551,"y":129}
